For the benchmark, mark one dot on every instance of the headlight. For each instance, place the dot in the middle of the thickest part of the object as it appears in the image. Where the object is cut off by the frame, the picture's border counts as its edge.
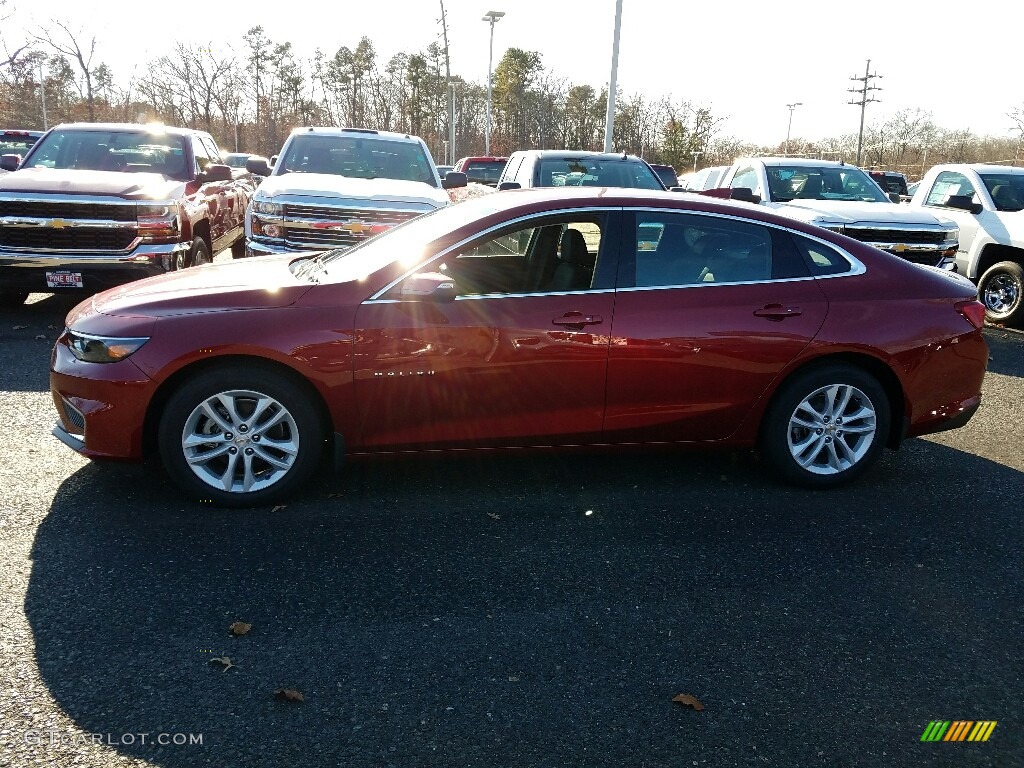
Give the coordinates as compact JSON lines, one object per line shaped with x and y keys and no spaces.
{"x":267,"y":207}
{"x":102,"y":349}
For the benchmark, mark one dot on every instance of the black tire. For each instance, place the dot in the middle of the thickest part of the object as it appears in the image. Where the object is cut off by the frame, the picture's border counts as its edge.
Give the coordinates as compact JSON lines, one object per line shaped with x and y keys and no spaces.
{"x":1001,"y":290}
{"x":242,"y":453}
{"x":238,"y":249}
{"x":198,"y":253}
{"x":12,"y":298}
{"x":807,"y":456}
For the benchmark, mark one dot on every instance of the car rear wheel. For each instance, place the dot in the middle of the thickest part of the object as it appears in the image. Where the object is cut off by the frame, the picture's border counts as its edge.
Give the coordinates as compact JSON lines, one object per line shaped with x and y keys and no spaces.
{"x":826,"y":426}
{"x":1001,"y":290}
{"x":241,"y":436}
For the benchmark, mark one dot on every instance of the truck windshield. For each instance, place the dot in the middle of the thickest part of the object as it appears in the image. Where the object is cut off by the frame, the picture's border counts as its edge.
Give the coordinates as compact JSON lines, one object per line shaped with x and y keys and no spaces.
{"x":597,"y":172}
{"x":126,"y":151}
{"x":357,"y":157}
{"x":803,"y":182}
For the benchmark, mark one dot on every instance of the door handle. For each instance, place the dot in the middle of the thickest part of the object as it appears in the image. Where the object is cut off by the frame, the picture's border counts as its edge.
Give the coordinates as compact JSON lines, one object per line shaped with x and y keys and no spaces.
{"x":777,"y":312}
{"x":577,"y":320}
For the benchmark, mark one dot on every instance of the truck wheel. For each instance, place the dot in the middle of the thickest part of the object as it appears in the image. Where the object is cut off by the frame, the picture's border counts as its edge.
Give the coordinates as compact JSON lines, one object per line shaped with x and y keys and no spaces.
{"x":238,"y":249}
{"x":198,"y":254}
{"x":826,"y":426}
{"x":12,"y":298}
{"x":1001,"y":290}
{"x":240,"y":435}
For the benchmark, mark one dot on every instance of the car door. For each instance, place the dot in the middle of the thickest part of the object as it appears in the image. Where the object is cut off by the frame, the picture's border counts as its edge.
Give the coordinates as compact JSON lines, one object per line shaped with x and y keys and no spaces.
{"x":709,"y":310}
{"x":519,"y":357}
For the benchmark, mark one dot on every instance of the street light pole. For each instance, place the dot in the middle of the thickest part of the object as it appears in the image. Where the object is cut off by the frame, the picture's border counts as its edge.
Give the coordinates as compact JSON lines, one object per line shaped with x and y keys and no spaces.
{"x":791,"y":107}
{"x":492,"y":16}
{"x":609,"y":118}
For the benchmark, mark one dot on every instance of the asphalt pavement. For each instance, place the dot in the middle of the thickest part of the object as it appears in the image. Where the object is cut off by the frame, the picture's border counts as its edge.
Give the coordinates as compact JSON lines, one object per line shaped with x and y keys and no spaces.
{"x":506,"y":609}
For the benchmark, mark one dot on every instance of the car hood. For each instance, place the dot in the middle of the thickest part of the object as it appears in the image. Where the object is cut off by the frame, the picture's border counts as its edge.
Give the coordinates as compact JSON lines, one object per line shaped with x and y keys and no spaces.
{"x":847,"y":212}
{"x":131,"y":186}
{"x":333,"y":186}
{"x":258,"y":283}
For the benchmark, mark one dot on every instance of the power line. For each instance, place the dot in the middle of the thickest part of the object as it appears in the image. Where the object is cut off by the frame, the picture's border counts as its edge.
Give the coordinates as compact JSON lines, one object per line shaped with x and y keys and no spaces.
{"x":864,"y":100}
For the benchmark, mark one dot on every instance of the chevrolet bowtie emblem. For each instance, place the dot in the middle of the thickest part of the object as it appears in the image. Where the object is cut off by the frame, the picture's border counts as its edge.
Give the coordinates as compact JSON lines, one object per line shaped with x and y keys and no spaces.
{"x":899,"y":247}
{"x":356,"y":227}
{"x":57,"y":223}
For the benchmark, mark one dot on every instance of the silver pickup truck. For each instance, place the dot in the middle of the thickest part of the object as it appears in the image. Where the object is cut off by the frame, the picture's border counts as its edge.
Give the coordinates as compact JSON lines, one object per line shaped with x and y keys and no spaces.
{"x":335,"y":187}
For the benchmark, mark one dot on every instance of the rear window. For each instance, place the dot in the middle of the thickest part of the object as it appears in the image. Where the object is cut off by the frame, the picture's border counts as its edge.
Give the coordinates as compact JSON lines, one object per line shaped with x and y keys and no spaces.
{"x":595,"y":172}
{"x":14,"y":143}
{"x":484,"y":171}
{"x":891,"y":182}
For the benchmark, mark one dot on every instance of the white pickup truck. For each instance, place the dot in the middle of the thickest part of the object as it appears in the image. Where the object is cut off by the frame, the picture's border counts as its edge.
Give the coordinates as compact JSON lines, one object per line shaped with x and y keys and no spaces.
{"x":843,"y":198}
{"x":335,"y":187}
{"x":985,"y":201}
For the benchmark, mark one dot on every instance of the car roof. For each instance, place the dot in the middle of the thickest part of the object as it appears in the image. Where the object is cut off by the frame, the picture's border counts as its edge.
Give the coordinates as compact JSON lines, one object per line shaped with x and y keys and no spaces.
{"x":576,"y":153}
{"x":484,"y":159}
{"x":983,"y":168}
{"x":137,"y":127}
{"x":19,"y":132}
{"x":795,"y":161}
{"x":366,"y":133}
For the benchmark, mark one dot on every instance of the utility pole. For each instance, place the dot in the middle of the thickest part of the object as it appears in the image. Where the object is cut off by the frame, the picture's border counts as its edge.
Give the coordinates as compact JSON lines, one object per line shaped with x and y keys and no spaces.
{"x":450,"y":92}
{"x":863,"y":101}
{"x":609,"y":118}
{"x":42,"y":95}
{"x":789,"y":128}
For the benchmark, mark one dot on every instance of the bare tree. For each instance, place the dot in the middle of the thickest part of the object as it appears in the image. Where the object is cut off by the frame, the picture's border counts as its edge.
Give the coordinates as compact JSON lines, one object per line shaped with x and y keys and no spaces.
{"x":65,"y":42}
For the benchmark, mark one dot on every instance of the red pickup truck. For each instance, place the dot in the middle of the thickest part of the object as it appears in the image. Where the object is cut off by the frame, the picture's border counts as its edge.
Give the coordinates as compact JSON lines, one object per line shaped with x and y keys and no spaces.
{"x":94,"y":205}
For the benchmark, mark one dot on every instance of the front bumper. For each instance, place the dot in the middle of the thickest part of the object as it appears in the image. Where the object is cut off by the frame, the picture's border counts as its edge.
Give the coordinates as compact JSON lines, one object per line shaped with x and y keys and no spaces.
{"x":101,"y":406}
{"x":26,"y":270}
{"x":256,"y":248}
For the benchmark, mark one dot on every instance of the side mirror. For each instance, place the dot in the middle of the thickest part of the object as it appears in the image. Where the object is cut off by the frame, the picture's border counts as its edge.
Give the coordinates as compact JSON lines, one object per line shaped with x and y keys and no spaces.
{"x":895,"y":197}
{"x":10,"y":162}
{"x":509,"y":185}
{"x":963,"y":203}
{"x":744,"y":194}
{"x":257,"y":166}
{"x":216,"y":172}
{"x":453,"y":179}
{"x":429,"y":286}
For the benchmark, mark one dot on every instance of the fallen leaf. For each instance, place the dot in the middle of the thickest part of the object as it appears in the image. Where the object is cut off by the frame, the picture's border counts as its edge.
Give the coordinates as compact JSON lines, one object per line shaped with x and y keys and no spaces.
{"x":225,"y":661}
{"x":279,"y":507}
{"x":19,"y":327}
{"x":41,"y":337}
{"x":494,"y":516}
{"x":52,"y":327}
{"x":288,"y":694}
{"x":334,"y":495}
{"x":689,"y":701}
{"x":239,"y":628}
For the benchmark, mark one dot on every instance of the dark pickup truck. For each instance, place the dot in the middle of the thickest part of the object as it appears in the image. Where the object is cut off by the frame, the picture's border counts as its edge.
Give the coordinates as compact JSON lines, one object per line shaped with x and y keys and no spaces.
{"x":95,"y":205}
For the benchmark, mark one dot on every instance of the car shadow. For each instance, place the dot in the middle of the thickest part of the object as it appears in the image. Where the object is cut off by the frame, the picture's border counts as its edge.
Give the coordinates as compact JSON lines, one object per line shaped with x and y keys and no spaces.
{"x":537,"y":609}
{"x":1006,"y":351}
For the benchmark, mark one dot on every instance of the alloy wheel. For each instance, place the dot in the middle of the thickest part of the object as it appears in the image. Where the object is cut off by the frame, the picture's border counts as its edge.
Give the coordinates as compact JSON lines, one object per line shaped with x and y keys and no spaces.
{"x":832,"y":429}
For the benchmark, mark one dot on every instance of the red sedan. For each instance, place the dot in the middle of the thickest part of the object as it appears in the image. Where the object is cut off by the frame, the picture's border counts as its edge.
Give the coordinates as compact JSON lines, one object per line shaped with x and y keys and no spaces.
{"x":533,"y":318}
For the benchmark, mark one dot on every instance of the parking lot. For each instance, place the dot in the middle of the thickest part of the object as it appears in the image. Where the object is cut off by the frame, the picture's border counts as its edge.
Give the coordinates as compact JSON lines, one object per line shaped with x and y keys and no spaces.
{"x":506,"y":609}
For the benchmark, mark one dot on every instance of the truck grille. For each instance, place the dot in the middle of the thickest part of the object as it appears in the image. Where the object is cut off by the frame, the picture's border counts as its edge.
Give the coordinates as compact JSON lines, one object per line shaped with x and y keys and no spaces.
{"x":306,"y":226}
{"x":43,"y":209}
{"x":72,"y":239}
{"x":908,"y":236}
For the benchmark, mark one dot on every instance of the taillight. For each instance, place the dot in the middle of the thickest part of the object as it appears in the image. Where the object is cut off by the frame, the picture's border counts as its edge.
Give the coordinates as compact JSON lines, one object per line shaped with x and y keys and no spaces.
{"x":973,"y":311}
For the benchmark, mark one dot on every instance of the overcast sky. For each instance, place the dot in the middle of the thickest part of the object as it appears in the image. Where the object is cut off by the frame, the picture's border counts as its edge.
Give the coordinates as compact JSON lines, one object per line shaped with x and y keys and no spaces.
{"x":745,"y":60}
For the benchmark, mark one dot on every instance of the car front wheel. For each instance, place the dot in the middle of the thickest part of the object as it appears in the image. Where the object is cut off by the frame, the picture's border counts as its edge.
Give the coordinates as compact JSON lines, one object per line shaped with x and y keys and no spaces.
{"x":1001,"y":290}
{"x":826,"y":427}
{"x":241,"y":436}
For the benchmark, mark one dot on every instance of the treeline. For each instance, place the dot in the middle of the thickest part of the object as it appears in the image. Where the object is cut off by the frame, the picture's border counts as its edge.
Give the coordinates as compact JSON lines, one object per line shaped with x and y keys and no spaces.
{"x":251,"y":95}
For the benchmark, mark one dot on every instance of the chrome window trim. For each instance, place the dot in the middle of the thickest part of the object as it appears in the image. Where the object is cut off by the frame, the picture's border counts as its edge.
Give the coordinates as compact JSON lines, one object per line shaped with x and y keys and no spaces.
{"x":856,"y":265}
{"x":477,"y":235}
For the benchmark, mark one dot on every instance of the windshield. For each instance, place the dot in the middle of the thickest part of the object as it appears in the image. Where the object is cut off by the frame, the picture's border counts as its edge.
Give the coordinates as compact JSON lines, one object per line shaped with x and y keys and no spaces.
{"x":236,"y":160}
{"x":1007,"y":190}
{"x":13,"y":144}
{"x":357,"y":157}
{"x":406,"y":243}
{"x":131,"y":151}
{"x":845,"y":182}
{"x":597,"y":172}
{"x":484,"y":171}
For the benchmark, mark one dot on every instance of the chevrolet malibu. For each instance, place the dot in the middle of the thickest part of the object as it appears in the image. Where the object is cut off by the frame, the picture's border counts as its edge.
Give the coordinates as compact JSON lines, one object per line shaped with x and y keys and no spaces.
{"x":551,"y":317}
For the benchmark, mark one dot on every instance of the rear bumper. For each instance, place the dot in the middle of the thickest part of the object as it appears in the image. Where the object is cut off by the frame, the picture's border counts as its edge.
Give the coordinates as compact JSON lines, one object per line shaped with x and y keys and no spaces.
{"x":26,"y":270}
